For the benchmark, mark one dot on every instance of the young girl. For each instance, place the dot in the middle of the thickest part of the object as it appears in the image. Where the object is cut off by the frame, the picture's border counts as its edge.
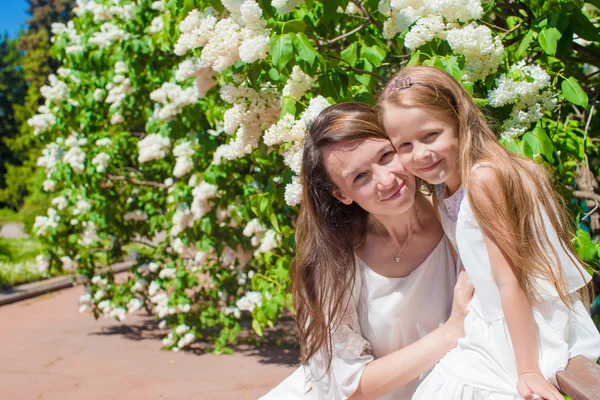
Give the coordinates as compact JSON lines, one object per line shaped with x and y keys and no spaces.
{"x":510,"y":230}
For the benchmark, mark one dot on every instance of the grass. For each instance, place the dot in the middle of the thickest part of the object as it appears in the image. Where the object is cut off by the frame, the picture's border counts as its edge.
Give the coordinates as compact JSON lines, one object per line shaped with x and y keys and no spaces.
{"x":8,"y":215}
{"x":17,"y":262}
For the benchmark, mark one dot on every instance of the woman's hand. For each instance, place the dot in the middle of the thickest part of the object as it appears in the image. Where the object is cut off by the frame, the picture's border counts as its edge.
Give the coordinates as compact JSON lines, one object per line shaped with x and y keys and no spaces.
{"x":463,"y":293}
{"x":533,"y":385}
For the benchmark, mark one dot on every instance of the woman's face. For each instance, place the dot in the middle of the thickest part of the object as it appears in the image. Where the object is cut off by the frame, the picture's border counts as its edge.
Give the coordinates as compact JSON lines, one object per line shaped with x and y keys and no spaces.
{"x":369,"y":172}
{"x":426,"y":141}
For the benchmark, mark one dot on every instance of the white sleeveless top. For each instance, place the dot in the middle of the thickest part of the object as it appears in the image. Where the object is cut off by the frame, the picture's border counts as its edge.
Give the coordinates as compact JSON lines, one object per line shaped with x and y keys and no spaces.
{"x":464,"y":232}
{"x":386,"y":314}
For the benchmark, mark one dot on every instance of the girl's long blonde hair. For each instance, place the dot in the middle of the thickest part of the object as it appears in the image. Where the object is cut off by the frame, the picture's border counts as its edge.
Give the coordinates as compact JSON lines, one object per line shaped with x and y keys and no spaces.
{"x":525,"y":190}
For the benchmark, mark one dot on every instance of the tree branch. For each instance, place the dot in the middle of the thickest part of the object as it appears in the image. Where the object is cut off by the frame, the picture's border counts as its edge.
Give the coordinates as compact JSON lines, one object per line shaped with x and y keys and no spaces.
{"x":585,"y":195}
{"x":345,"y":35}
{"x":136,"y":182}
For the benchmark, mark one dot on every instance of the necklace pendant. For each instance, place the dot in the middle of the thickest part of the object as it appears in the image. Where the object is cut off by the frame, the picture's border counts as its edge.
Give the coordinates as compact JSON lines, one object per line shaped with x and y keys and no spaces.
{"x":397,"y":258}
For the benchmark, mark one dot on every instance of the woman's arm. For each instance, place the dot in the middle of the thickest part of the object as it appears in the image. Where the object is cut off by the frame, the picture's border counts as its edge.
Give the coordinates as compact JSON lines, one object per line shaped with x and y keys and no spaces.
{"x":397,"y":369}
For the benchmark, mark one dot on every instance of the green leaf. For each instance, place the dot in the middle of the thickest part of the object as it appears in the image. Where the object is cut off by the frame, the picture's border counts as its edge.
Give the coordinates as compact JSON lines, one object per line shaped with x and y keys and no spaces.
{"x":257,"y":328}
{"x":573,"y":92}
{"x":584,"y":246}
{"x":548,"y":39}
{"x":274,"y":222}
{"x":349,"y":54}
{"x":583,"y":28}
{"x":365,"y":79}
{"x":559,"y":20}
{"x":305,"y":49}
{"x":294,"y":26}
{"x":282,"y":50}
{"x":288,"y":106}
{"x":374,"y":54}
{"x":525,"y":43}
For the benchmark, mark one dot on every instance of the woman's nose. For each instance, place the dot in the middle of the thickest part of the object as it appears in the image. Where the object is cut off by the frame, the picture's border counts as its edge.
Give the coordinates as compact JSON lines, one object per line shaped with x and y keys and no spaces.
{"x":385,"y":179}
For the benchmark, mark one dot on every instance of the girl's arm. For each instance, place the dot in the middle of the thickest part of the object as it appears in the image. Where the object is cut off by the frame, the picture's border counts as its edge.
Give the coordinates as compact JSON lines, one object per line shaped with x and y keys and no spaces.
{"x":516,"y":306}
{"x":397,"y":369}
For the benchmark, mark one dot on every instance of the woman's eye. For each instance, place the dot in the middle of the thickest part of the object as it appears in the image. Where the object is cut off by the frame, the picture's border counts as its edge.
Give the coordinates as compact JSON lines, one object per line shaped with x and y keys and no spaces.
{"x":387,"y":155}
{"x":402,"y":145}
{"x":358,"y":177}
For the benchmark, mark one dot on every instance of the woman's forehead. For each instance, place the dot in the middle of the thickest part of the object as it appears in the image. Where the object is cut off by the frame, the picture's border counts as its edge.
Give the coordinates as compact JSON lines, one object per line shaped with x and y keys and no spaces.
{"x":348,"y":155}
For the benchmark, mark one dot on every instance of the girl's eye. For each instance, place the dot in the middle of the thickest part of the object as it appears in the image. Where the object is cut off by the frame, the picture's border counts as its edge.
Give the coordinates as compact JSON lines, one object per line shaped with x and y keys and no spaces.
{"x":402,"y":145}
{"x":430,"y":134}
{"x":358,"y":177}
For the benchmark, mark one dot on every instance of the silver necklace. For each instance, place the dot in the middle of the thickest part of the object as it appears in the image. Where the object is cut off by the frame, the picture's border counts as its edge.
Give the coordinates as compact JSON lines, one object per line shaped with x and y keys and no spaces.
{"x":397,"y":256}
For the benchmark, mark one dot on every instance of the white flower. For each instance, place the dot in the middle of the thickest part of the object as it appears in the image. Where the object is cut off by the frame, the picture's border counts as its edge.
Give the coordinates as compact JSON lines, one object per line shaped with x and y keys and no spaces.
{"x":315,"y":106}
{"x":168,"y":341}
{"x":285,"y":6}
{"x":196,"y":31}
{"x":108,"y":34}
{"x":173,"y":98}
{"x":168,"y":273}
{"x":140,"y":285}
{"x":249,"y":301}
{"x":182,"y":219}
{"x":157,"y":25}
{"x":269,"y":242}
{"x":75,"y":157}
{"x":202,"y":194}
{"x":134,"y":304}
{"x":424,"y":31}
{"x":184,"y":152}
{"x":57,"y":92}
{"x":153,"y":289}
{"x":101,"y":162}
{"x":43,"y":121}
{"x":119,"y":313}
{"x":186,"y":340}
{"x":153,"y":267}
{"x":42,"y":224}
{"x":205,"y":77}
{"x":158,"y":5}
{"x":153,"y":147}
{"x":181,"y":329}
{"x":137,"y":215}
{"x":293,"y":192}
{"x":43,"y":263}
{"x":482,"y":51}
{"x":297,"y":84}
{"x":292,"y":157}
{"x":104,"y":142}
{"x":68,"y":263}
{"x":82,"y":206}
{"x":233,"y":310}
{"x":49,"y":185}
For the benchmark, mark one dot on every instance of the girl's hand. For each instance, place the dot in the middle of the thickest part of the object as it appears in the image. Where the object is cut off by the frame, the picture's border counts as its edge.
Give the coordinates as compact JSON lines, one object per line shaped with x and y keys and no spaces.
{"x":463,"y":293}
{"x":533,"y":385}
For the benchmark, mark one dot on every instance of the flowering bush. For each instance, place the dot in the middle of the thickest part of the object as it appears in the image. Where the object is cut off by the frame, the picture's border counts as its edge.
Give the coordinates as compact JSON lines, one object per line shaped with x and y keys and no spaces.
{"x":179,"y":124}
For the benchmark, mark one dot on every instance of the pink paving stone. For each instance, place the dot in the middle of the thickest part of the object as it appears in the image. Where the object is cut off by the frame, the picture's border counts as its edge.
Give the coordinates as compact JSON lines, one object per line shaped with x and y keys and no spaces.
{"x":50,"y":351}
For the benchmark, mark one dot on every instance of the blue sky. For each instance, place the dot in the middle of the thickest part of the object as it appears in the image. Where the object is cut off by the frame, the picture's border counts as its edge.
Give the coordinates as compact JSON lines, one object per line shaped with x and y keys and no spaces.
{"x":12,"y":16}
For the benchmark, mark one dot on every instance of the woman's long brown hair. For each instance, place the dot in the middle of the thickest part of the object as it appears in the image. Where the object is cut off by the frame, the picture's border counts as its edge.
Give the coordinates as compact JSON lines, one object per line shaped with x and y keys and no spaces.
{"x":328,"y":231}
{"x":525,"y":190}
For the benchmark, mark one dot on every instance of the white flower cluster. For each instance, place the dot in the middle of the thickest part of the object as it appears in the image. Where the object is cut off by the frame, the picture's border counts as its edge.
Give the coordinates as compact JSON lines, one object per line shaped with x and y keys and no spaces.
{"x":242,"y":36}
{"x":351,"y":9}
{"x":446,"y":19}
{"x":43,"y":223}
{"x":153,"y":147}
{"x":254,"y":229}
{"x":137,"y":215}
{"x":173,"y":98}
{"x":202,"y":193}
{"x":75,"y":156}
{"x":205,"y":77}
{"x":89,"y":235}
{"x":293,"y":192}
{"x":103,"y":12}
{"x":251,"y":300}
{"x":157,"y":24}
{"x":118,"y":90}
{"x":298,"y":83}
{"x":101,"y":162}
{"x":57,"y":92}
{"x":104,"y":142}
{"x":74,"y":41}
{"x":51,"y":156}
{"x":109,"y":33}
{"x":82,"y":206}
{"x":182,"y":219}
{"x":43,"y":263}
{"x":289,"y":130}
{"x":269,"y":241}
{"x":525,"y":86}
{"x":183,"y":152}
{"x":60,"y":202}
{"x":286,"y":6}
{"x":85,"y":302}
{"x":43,"y":121}
{"x":235,"y":258}
{"x":252,"y":111}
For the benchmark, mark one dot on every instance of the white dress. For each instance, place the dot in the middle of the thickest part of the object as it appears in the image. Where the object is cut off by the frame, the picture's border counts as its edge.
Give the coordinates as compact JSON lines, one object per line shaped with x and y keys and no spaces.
{"x":483,"y":365}
{"x":386,"y":314}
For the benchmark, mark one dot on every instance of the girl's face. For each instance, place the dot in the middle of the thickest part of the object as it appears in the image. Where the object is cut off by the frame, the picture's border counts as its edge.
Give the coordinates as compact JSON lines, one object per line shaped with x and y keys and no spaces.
{"x":369,"y":172}
{"x":426,"y":142}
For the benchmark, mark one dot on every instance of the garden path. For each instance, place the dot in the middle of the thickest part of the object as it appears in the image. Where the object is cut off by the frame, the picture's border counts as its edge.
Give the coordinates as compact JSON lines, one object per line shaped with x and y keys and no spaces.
{"x":50,"y":351}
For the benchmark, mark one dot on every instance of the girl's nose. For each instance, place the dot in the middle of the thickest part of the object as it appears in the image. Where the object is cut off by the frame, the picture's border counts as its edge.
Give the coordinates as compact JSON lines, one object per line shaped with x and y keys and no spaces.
{"x":421,"y":153}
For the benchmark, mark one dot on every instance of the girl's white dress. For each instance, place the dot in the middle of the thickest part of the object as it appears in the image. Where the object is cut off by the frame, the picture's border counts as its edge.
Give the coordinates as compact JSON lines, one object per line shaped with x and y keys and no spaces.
{"x":483,"y":365}
{"x":385,"y":315}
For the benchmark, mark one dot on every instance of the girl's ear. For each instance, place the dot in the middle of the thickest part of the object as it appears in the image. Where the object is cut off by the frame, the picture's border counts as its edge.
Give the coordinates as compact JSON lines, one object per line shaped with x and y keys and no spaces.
{"x":345,"y":200}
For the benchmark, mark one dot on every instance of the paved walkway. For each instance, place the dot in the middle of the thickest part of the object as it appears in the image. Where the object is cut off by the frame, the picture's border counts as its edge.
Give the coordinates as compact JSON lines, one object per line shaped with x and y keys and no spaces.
{"x":50,"y":351}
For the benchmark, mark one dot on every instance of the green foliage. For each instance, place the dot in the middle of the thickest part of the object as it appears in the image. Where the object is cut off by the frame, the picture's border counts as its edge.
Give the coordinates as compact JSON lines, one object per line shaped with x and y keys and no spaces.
{"x":208,"y":232}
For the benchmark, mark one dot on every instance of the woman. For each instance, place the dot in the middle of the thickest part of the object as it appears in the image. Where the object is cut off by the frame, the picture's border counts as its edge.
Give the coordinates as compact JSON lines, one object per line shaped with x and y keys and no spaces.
{"x":373,"y":277}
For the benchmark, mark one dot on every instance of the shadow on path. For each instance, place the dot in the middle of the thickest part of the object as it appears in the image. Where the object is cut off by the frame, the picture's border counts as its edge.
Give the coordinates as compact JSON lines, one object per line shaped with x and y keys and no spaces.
{"x":279,"y":345}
